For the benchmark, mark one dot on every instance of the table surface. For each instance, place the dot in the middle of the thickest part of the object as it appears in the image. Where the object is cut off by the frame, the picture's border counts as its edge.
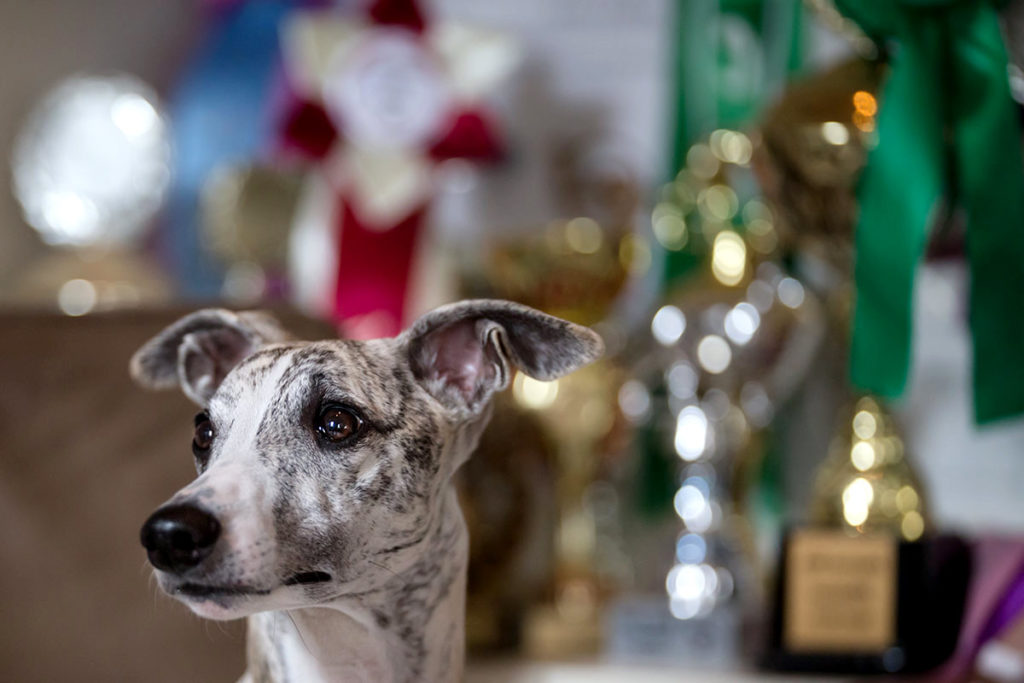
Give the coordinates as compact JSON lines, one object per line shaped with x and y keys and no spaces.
{"x":533,"y":672}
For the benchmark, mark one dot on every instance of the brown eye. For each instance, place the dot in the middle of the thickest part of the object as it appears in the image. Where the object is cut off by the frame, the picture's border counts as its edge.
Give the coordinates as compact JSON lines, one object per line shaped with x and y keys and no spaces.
{"x":203,"y":438}
{"x":336,"y":424}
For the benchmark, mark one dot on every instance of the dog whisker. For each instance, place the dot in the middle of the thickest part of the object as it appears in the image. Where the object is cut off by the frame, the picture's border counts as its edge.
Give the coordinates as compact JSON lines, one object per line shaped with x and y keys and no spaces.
{"x":380,"y":565}
{"x":302,"y":638}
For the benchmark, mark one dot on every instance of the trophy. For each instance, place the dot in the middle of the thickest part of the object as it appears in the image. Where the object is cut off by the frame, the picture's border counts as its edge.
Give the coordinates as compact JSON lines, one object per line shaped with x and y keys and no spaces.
{"x":91,"y":167}
{"x":866,"y":585}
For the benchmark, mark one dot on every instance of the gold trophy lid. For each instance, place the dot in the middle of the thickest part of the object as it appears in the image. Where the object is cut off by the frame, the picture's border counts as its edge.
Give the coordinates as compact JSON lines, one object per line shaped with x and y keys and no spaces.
{"x":866,"y":484}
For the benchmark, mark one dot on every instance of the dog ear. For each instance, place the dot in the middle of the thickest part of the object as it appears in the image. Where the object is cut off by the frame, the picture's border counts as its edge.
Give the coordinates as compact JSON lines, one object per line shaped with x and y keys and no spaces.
{"x":464,"y":352}
{"x":198,"y":351}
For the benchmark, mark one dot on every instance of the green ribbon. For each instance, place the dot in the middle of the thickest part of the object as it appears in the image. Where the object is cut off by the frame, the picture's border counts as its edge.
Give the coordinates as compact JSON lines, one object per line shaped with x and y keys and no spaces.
{"x":947,"y":127}
{"x":729,"y":58}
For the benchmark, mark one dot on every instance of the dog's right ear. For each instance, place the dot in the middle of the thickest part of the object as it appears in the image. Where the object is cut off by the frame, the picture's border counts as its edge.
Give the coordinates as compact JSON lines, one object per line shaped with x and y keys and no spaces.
{"x":198,"y":351}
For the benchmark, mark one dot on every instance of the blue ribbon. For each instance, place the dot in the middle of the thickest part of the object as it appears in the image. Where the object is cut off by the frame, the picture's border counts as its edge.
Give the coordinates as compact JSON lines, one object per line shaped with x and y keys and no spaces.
{"x":220,"y":114}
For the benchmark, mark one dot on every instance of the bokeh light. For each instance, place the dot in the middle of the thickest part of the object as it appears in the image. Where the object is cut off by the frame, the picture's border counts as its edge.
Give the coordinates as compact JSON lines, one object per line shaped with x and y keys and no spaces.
{"x":92,"y":164}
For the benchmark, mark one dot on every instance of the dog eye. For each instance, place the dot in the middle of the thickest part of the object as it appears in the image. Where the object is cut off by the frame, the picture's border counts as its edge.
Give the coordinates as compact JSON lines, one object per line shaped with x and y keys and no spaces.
{"x":336,"y":423}
{"x":203,"y":438}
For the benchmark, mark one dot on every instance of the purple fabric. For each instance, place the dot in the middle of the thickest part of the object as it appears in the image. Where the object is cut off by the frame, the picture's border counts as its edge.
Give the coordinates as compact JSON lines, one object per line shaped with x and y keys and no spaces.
{"x":998,"y":568}
{"x":1008,"y":610}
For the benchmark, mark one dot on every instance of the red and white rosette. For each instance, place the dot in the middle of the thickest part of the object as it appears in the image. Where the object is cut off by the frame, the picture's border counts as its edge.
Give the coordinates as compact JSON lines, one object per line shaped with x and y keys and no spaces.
{"x":378,"y":102}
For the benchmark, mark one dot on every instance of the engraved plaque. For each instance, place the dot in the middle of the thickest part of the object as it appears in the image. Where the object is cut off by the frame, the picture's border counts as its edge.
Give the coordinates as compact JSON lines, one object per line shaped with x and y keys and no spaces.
{"x":840,"y":593}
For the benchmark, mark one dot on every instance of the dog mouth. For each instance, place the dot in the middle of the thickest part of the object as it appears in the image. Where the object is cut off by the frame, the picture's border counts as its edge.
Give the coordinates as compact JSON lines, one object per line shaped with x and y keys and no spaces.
{"x":200,"y":591}
{"x":307,"y":578}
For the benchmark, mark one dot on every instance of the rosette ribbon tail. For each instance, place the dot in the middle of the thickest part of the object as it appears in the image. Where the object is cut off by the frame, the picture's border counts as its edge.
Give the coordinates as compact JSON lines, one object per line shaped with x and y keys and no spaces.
{"x":374,"y":270}
{"x":947,"y":129}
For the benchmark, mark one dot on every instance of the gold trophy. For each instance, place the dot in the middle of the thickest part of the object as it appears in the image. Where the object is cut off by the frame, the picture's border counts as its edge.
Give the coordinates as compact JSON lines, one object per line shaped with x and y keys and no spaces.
{"x":547,"y":587}
{"x":842,"y":571}
{"x":867,"y":586}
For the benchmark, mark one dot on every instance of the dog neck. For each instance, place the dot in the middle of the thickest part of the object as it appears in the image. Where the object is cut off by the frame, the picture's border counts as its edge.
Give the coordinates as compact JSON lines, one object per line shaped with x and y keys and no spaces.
{"x":410,"y":629}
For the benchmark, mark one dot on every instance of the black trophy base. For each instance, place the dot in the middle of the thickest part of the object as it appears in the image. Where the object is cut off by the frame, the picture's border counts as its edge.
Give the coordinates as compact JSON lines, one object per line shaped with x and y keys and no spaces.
{"x":931,"y":580}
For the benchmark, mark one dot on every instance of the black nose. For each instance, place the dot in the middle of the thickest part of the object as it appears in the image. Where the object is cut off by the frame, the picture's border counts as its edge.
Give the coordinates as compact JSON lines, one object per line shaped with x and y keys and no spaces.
{"x":179,"y":537}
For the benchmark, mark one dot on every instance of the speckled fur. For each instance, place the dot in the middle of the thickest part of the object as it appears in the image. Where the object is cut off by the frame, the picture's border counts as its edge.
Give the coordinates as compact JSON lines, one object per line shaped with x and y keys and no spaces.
{"x":378,"y":515}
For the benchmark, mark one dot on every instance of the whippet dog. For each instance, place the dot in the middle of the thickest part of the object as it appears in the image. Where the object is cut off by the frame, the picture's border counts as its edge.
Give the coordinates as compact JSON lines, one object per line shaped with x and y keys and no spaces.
{"x":324,"y":508}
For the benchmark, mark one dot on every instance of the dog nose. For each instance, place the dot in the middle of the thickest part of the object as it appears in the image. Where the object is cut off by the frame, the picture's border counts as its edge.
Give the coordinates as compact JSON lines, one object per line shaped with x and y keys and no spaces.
{"x":179,"y":537}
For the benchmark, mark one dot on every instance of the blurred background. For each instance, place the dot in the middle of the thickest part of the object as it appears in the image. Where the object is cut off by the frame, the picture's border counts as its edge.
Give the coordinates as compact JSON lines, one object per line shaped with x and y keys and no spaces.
{"x":799,"y":227}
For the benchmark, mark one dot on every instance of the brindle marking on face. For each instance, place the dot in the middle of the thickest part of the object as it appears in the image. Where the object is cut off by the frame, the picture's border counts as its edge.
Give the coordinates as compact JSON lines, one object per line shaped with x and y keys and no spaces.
{"x":373,"y":496}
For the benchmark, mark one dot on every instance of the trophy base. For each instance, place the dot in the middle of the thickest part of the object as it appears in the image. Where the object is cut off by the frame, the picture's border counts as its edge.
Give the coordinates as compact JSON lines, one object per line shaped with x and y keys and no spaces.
{"x":841,"y":605}
{"x":643,"y":631}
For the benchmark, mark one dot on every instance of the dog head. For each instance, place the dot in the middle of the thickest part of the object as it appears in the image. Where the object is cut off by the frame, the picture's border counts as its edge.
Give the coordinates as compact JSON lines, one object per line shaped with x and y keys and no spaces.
{"x":323,"y":466}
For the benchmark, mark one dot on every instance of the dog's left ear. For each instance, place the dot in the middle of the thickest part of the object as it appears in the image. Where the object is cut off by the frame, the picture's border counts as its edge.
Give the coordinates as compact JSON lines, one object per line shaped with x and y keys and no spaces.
{"x":464,"y":352}
{"x":198,"y":351}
